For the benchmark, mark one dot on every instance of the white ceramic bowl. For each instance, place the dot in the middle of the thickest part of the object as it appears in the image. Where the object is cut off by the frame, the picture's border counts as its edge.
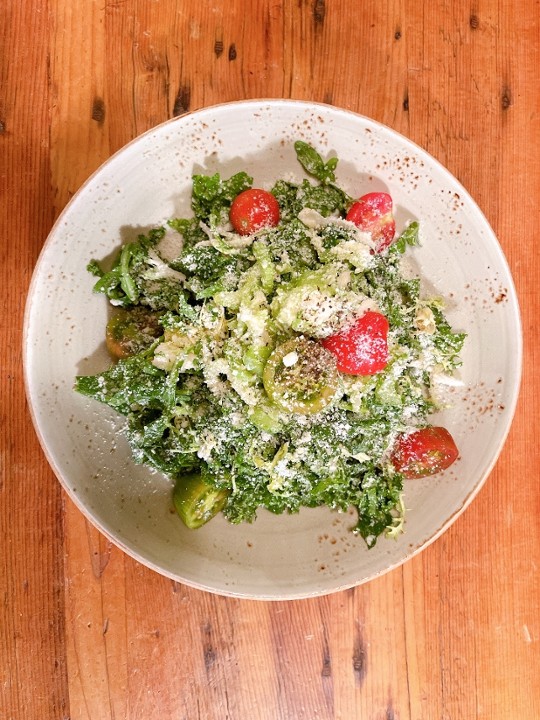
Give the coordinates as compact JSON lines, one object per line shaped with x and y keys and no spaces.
{"x":149,"y":181}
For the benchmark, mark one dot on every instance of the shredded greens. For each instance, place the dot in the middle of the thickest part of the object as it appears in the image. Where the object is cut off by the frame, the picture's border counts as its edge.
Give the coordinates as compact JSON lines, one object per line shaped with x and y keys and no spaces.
{"x":195,"y":399}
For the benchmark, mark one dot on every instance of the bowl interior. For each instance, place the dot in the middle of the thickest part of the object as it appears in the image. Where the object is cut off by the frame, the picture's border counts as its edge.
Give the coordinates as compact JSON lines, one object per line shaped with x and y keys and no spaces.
{"x":148,"y":182}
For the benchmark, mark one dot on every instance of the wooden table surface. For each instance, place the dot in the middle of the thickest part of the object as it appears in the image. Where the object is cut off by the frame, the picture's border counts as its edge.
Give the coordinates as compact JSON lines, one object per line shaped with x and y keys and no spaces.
{"x":88,"y":633}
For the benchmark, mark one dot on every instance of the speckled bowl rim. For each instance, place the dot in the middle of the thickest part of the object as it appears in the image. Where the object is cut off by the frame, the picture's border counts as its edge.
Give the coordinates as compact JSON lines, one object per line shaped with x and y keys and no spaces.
{"x":414,"y":550}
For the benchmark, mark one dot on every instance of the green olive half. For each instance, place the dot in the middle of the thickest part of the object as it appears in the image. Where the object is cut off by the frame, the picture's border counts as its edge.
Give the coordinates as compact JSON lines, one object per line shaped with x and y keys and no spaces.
{"x":196,"y":502}
{"x":300,"y":376}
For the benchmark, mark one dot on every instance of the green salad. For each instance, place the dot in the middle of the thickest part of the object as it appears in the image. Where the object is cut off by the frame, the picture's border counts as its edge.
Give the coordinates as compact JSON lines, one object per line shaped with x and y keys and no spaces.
{"x":269,"y":353}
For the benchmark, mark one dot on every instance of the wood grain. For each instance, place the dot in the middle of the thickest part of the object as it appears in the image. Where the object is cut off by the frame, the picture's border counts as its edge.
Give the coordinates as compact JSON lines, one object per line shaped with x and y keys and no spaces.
{"x":32,"y":625}
{"x":87,"y":633}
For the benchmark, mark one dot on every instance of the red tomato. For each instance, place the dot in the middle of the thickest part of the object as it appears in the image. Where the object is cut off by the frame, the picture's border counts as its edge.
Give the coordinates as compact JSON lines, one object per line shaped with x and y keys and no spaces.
{"x":424,"y":452}
{"x":252,"y":210}
{"x":373,"y":213}
{"x":361,"y":349}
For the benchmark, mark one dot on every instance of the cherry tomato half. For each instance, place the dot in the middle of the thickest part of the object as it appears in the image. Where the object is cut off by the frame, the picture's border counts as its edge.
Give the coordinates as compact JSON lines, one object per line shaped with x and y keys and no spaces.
{"x":424,"y":452}
{"x":373,"y":213}
{"x":252,"y":210}
{"x":361,"y":349}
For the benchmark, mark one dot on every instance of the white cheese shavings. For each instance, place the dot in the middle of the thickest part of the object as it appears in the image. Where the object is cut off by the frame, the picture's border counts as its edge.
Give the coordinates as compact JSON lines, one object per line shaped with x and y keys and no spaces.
{"x":250,"y":394}
{"x":177,"y":345}
{"x":214,"y":371}
{"x":224,"y":240}
{"x":320,"y":314}
{"x":255,"y":317}
{"x":290,"y":359}
{"x":160,"y":269}
{"x":355,"y":252}
{"x":313,"y":220}
{"x":208,"y":444}
{"x":343,"y":279}
{"x":425,"y":321}
{"x":167,"y":354}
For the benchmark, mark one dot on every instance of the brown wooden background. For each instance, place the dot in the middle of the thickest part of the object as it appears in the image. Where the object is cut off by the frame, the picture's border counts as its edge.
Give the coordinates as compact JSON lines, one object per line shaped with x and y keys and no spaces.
{"x":87,"y":633}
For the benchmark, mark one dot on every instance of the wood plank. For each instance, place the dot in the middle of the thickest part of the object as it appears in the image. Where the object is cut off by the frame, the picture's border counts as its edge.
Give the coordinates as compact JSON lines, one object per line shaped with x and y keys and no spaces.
{"x":33,"y":680}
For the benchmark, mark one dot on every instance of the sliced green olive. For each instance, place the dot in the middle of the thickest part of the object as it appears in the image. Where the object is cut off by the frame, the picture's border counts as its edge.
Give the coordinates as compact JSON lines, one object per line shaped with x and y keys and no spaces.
{"x":197,"y":502}
{"x":300,"y":376}
{"x":130,"y":331}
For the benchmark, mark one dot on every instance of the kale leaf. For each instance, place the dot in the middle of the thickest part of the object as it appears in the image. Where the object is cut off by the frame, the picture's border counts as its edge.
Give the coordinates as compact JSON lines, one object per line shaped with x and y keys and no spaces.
{"x":212,"y":196}
{"x":313,"y":163}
